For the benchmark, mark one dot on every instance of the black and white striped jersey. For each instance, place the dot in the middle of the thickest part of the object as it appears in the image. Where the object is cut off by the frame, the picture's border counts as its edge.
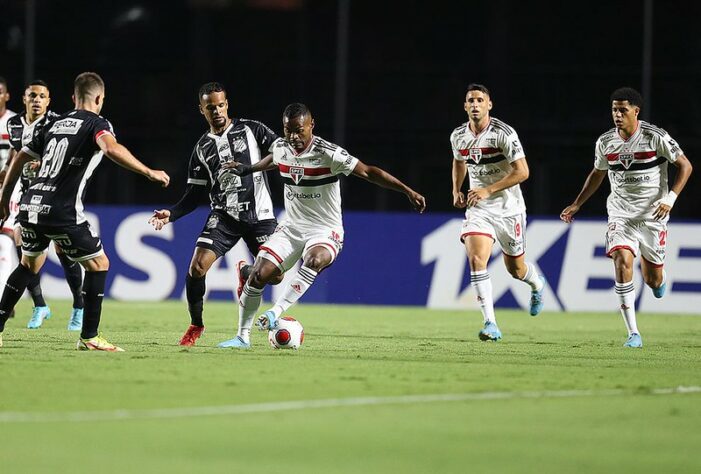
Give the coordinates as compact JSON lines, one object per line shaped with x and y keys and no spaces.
{"x":69,"y":155}
{"x":245,"y":198}
{"x":22,"y":133}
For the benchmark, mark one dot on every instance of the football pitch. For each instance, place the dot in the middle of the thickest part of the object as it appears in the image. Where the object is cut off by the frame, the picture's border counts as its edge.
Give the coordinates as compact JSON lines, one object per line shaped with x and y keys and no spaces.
{"x":391,"y":389}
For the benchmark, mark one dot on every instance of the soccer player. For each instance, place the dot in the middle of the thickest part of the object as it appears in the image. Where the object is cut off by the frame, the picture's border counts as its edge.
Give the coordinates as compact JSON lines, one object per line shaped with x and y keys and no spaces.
{"x":6,"y":238}
{"x":241,"y":205}
{"x":635,"y":154}
{"x":313,"y":227}
{"x":22,"y":128}
{"x":52,"y":209}
{"x":491,"y":152}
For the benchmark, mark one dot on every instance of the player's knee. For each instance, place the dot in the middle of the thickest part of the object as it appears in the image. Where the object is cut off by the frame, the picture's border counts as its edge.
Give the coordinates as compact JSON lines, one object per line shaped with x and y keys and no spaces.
{"x":653,"y":280}
{"x":477,"y":262}
{"x":316,"y":262}
{"x":197,"y":269}
{"x":259,"y":277}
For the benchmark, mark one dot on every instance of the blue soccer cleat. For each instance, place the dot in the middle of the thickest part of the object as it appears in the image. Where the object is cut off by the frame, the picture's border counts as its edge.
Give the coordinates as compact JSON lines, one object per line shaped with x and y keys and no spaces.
{"x":39,"y":314}
{"x":537,"y":299}
{"x":267,"y":321}
{"x":76,"y":321}
{"x":634,"y":340}
{"x":659,"y":292}
{"x":236,"y":343}
{"x":490,"y":332}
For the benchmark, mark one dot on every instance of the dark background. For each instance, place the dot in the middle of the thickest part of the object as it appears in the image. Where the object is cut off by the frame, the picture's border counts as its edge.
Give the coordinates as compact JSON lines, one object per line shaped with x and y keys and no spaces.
{"x":551,"y":67}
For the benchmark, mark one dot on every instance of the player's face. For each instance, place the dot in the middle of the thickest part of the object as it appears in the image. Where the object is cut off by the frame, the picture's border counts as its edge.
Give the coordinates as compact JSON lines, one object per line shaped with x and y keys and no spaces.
{"x":4,"y":95}
{"x":36,"y":99}
{"x":215,"y":109}
{"x":477,"y":105}
{"x":298,"y":131}
{"x":625,"y":116}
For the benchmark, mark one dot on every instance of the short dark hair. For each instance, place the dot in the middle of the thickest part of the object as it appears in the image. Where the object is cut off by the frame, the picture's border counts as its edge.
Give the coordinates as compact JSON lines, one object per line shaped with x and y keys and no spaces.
{"x":37,"y":82}
{"x":628,"y":93}
{"x":88,"y":84}
{"x":478,"y":87}
{"x":296,"y":109}
{"x":210,"y":87}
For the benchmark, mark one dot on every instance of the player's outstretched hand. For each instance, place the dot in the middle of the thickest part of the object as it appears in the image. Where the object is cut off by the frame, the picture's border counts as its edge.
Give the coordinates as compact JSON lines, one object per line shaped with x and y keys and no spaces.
{"x":159,"y":218}
{"x":418,"y":202}
{"x":459,"y":200}
{"x":239,"y":169}
{"x":567,"y":215}
{"x":159,"y":176}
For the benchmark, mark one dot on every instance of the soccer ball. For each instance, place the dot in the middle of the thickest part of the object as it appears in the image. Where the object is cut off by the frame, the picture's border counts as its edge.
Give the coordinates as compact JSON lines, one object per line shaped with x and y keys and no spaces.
{"x":288,"y":334}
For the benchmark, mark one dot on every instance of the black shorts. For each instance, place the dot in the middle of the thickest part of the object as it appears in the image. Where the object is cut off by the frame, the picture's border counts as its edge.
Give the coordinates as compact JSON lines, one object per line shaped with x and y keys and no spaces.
{"x":221,"y":232}
{"x":78,"y":241}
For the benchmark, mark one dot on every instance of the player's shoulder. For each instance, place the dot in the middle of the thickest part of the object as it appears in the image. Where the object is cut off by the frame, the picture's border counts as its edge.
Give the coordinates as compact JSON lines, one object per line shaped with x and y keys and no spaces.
{"x":607,"y":137}
{"x":652,"y":130}
{"x":279,"y":144}
{"x":254,"y":124}
{"x":15,"y":120}
{"x":500,"y":126}
{"x":458,"y":131}
{"x":319,"y":145}
{"x":50,"y":116}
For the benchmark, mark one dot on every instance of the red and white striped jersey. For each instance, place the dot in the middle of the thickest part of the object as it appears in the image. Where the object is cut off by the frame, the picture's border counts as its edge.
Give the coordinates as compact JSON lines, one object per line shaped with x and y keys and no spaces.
{"x":5,"y":145}
{"x":312,"y":190}
{"x":637,"y":169}
{"x":489,"y":156}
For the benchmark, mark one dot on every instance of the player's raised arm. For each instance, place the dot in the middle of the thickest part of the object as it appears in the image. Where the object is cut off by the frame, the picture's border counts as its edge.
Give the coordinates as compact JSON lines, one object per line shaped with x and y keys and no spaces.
{"x":592,"y":183}
{"x":123,"y":157}
{"x":382,"y":178}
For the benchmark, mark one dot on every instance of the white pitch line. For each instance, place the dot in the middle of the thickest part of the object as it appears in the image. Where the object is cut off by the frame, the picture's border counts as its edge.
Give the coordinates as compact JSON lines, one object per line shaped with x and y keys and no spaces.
{"x":187,"y":412}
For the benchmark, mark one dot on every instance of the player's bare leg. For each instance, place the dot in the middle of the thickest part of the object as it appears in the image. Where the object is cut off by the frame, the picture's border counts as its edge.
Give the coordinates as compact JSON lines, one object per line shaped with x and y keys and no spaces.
{"x":623,"y":260}
{"x":479,"y":249}
{"x":655,"y":277}
{"x":527,"y":272}
{"x":243,"y":271}
{"x":195,"y":288}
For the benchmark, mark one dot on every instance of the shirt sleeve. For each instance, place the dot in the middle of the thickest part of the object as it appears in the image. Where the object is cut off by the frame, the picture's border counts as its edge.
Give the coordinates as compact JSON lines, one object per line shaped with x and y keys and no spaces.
{"x":102,"y":127}
{"x":667,"y":147}
{"x":454,"y":146}
{"x":601,"y":163}
{"x":265,"y":137}
{"x":342,"y":162}
{"x":197,"y":173}
{"x":511,"y":146}
{"x":36,"y":146}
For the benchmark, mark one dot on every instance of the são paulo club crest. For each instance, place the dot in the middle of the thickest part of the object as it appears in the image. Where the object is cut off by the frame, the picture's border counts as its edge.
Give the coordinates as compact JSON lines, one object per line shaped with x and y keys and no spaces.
{"x":476,"y":154}
{"x":296,"y":174}
{"x":626,"y":159}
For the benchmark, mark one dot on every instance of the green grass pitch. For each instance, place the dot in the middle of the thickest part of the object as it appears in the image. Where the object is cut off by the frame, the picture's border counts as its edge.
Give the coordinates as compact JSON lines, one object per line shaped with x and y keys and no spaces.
{"x":558,"y":394}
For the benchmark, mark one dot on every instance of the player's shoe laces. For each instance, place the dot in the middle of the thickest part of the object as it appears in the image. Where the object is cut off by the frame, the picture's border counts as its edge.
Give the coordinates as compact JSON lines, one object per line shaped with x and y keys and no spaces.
{"x":490,"y":332}
{"x":659,"y":292}
{"x":267,"y":321}
{"x":537,"y":299}
{"x":39,"y":314}
{"x":191,"y":336}
{"x":76,"y":321}
{"x":242,"y":273}
{"x":634,"y":340}
{"x":237,"y":343}
{"x":97,"y":343}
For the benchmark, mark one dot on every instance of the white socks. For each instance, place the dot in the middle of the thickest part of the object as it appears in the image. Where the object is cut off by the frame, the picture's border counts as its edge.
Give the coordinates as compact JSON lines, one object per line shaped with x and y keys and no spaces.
{"x":532,"y":278}
{"x":482,"y":284}
{"x":248,"y":305}
{"x":626,"y":295}
{"x":298,"y":286}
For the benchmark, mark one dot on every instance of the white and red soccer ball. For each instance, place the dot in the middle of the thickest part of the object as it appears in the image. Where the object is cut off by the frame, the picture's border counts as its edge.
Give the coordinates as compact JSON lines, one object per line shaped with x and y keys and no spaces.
{"x":288,"y":334}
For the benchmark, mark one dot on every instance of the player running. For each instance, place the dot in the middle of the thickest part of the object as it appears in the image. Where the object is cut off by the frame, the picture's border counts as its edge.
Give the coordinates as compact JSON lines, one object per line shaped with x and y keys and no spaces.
{"x":491,"y":152}
{"x":241,"y":205}
{"x":52,"y":209}
{"x":22,"y":129}
{"x":313,"y":227}
{"x":636,"y":155}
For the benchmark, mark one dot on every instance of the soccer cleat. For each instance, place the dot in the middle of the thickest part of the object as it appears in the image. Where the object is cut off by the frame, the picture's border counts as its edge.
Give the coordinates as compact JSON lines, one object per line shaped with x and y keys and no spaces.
{"x":39,"y":314}
{"x":76,"y":321}
{"x":242,"y":279}
{"x":237,"y":343}
{"x":97,"y":343}
{"x":634,"y":340}
{"x":490,"y":332}
{"x":267,"y":321}
{"x":537,"y":299}
{"x":191,"y":336}
{"x":659,"y":292}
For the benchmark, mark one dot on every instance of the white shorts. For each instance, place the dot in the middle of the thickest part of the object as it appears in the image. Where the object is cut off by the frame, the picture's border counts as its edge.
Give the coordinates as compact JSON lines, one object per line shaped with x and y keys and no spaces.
{"x":288,"y":245}
{"x":508,"y":231}
{"x":9,"y":224}
{"x":648,"y":237}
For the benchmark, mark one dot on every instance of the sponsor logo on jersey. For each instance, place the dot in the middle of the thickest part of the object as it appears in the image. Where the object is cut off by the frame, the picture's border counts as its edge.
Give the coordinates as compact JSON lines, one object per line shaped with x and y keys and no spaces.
{"x":240,"y":145}
{"x":258,"y":179}
{"x":292,"y":196}
{"x":212,"y":222}
{"x":36,"y":199}
{"x":476,"y":154}
{"x":296,"y":174}
{"x":76,"y":161}
{"x":67,"y":126}
{"x":478,"y":173}
{"x":262,"y":238}
{"x":626,"y":159}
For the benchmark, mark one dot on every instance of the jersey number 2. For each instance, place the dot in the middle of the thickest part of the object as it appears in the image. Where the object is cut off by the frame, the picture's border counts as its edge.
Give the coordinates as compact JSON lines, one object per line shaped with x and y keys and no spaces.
{"x":53,"y":158}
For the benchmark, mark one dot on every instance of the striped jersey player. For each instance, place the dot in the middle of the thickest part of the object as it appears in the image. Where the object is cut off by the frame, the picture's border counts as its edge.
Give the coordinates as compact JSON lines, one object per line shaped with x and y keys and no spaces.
{"x":635,"y":155}
{"x":491,"y":152}
{"x":313,"y":228}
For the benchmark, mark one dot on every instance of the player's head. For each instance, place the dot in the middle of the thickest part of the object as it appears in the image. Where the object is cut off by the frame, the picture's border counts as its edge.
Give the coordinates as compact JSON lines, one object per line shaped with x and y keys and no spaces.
{"x":36,"y":98}
{"x":4,"y":94}
{"x":626,"y":103}
{"x":298,"y":125}
{"x":89,"y":90}
{"x":478,"y":102}
{"x":213,"y":104}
